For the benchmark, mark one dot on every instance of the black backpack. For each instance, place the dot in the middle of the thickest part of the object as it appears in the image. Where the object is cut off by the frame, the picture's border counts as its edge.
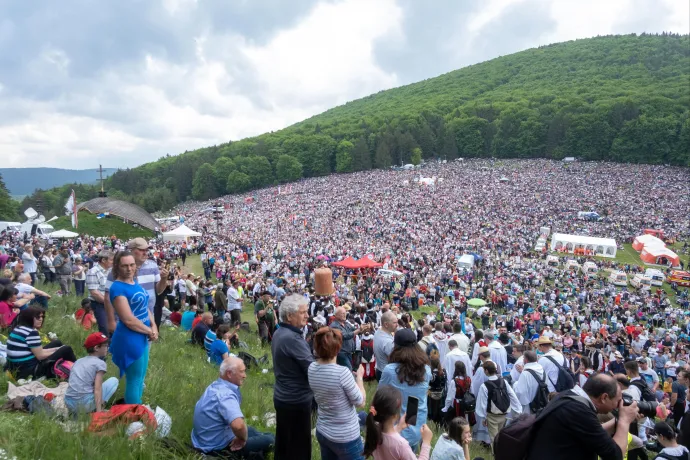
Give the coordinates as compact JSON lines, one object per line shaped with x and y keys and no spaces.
{"x":683,"y":456}
{"x":466,"y":400}
{"x":565,"y":380}
{"x":645,"y":391}
{"x":513,"y":441}
{"x":498,"y":395}
{"x":541,"y":399}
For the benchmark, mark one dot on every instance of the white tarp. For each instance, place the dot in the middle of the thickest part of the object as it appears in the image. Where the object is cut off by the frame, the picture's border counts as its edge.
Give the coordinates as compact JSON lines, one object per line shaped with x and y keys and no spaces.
{"x":563,"y":242}
{"x":180,"y":233}
{"x":63,"y":234}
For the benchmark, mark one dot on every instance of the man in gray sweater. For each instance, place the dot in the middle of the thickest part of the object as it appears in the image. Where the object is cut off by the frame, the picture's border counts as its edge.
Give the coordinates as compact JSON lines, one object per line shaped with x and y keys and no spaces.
{"x":292,"y":396}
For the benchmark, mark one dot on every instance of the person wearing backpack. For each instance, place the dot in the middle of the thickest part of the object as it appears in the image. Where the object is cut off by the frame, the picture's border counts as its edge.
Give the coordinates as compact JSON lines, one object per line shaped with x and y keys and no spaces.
{"x":495,"y":400}
{"x":558,"y":375}
{"x":666,"y":436}
{"x":568,"y":428}
{"x":530,"y":388}
{"x":640,"y":391}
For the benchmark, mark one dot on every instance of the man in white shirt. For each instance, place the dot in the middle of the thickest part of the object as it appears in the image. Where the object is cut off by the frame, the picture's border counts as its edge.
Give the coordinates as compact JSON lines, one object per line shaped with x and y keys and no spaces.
{"x":461,"y":339}
{"x":648,"y":375}
{"x":427,"y":339}
{"x":526,"y":385}
{"x":499,"y":355}
{"x":454,"y":355}
{"x":493,"y":417}
{"x":549,"y":353}
{"x":234,"y":303}
{"x":518,"y":351}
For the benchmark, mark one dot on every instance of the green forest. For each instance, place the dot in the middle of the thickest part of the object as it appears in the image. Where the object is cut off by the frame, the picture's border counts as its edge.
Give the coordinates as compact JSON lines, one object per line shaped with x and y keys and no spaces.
{"x":613,"y":98}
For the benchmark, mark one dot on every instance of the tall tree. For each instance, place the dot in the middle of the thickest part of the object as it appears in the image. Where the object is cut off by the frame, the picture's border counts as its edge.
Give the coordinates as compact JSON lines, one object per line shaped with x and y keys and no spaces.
{"x":449,"y":149}
{"x":204,"y":186}
{"x":288,"y":169}
{"x":382,"y":158}
{"x":343,"y":156}
{"x":361,"y":156}
{"x":8,"y":206}
{"x":238,"y":182}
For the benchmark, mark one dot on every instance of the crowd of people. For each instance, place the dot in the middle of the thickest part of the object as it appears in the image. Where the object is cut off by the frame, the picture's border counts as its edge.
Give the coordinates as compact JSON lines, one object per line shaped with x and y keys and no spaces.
{"x":547,"y":334}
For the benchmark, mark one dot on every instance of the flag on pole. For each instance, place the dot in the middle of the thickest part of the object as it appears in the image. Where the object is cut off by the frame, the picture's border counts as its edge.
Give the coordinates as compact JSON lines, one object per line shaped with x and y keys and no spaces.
{"x":71,"y":208}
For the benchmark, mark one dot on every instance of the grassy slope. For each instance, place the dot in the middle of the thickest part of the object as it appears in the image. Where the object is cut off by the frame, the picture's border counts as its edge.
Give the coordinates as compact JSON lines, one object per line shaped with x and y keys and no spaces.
{"x":177,"y":376}
{"x":90,"y":225}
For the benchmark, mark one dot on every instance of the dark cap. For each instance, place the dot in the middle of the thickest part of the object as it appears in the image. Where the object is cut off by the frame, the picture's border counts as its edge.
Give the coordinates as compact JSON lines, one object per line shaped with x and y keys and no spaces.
{"x":405,"y":338}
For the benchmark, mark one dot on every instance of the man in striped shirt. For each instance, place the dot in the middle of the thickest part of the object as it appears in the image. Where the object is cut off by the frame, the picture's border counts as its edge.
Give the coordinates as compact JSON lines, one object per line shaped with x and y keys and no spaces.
{"x":96,"y":280}
{"x":148,"y":276}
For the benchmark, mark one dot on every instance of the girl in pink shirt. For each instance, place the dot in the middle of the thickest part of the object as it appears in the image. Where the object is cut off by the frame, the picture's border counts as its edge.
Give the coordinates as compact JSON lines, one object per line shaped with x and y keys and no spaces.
{"x":383,"y":439}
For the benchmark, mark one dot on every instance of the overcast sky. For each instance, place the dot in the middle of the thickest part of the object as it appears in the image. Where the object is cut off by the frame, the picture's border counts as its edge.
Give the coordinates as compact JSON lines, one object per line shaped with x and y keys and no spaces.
{"x":125,"y":82}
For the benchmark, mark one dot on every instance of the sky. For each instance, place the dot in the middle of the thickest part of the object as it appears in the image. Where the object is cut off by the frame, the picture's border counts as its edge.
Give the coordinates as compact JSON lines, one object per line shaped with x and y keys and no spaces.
{"x":122,"y":83}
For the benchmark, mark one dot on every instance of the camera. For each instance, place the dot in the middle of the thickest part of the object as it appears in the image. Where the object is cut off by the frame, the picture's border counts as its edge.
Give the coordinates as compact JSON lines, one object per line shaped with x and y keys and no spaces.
{"x":653,"y":444}
{"x":646,"y":408}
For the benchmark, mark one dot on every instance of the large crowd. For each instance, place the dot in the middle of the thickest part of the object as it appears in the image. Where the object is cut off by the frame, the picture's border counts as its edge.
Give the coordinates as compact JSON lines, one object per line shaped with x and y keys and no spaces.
{"x":475,"y":350}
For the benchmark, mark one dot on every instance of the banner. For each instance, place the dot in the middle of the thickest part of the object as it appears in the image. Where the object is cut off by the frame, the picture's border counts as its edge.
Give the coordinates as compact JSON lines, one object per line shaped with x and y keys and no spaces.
{"x":71,"y":207}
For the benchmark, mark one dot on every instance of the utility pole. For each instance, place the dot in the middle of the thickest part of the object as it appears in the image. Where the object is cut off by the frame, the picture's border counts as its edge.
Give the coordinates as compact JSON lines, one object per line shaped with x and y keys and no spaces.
{"x":101,"y":194}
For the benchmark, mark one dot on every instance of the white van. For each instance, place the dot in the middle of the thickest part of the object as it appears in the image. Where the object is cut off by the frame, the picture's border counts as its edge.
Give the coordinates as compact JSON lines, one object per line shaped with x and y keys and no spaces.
{"x":641,"y":281}
{"x":41,"y":230}
{"x":466,"y":262}
{"x":572,"y":265}
{"x":657,"y":276}
{"x":552,"y":261}
{"x":589,"y":268}
{"x":10,"y":226}
{"x":618,"y":278}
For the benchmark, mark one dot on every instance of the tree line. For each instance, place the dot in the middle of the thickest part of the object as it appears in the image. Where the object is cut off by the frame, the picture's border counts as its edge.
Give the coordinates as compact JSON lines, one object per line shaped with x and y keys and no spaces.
{"x":613,"y":98}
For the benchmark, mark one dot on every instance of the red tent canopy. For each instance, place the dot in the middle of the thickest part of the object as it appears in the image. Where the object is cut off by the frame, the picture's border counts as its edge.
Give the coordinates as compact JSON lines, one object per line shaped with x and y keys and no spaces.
{"x":368,"y":262}
{"x":348,"y":262}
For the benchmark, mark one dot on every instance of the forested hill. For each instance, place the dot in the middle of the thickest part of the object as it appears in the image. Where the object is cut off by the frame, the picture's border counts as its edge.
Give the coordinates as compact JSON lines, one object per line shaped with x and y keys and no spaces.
{"x":617,"y":98}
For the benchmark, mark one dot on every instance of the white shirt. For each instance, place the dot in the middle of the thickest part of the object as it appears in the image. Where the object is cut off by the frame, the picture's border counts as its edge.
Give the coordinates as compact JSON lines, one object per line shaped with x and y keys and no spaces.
{"x":514,"y":373}
{"x":462,"y":340}
{"x":551,"y":369}
{"x":453,"y":357}
{"x":499,"y":355}
{"x":526,"y":386}
{"x":483,"y":399}
{"x":234,"y":299}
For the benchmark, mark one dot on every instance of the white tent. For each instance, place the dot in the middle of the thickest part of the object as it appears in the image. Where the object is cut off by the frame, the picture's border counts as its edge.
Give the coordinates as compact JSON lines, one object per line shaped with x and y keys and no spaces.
{"x":181,"y":233}
{"x":563,"y":242}
{"x":63,"y":234}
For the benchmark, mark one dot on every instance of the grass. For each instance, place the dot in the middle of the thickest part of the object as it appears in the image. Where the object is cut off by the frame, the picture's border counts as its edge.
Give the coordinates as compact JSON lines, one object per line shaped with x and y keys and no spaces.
{"x":177,"y":376}
{"x":89,"y":224}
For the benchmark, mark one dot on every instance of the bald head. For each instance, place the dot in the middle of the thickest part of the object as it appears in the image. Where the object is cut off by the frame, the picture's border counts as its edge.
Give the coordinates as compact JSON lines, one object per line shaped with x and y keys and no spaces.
{"x":389,"y":321}
{"x":207,"y":317}
{"x":340,"y":314}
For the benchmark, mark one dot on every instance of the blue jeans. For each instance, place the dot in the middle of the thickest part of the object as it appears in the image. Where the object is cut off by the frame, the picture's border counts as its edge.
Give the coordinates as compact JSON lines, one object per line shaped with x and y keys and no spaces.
{"x":134,"y":376}
{"x":340,"y":450}
{"x":40,"y":301}
{"x":87,"y":403}
{"x":257,"y":441}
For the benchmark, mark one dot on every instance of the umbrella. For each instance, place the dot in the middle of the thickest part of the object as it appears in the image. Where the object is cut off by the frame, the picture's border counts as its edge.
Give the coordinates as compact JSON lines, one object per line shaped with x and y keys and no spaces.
{"x":476,"y":302}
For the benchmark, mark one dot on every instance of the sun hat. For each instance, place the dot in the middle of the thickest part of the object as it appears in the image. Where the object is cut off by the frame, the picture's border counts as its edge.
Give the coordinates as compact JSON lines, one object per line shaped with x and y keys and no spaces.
{"x":543,"y":340}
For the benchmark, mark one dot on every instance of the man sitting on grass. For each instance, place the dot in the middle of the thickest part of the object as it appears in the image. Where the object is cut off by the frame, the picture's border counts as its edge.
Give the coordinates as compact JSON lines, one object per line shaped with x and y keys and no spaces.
{"x":87,"y":392}
{"x":219,"y":427}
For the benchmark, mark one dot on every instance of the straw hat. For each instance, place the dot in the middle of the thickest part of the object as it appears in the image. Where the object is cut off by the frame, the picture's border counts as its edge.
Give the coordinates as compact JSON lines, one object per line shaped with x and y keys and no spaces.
{"x":543,"y":340}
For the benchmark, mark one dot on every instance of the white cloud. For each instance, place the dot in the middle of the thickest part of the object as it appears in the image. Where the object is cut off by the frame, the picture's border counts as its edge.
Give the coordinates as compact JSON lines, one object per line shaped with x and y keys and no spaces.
{"x":138,"y":105}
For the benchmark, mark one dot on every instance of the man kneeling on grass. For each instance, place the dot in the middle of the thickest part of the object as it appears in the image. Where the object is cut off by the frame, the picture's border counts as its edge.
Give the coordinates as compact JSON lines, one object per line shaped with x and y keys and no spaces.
{"x":219,"y":426}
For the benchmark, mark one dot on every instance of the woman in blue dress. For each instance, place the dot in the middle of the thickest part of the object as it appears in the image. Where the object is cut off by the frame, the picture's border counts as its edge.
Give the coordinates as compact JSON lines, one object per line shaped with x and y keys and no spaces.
{"x":136,"y":326}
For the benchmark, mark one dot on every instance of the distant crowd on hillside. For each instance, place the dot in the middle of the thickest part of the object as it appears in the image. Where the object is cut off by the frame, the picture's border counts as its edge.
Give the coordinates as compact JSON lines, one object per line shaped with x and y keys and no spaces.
{"x":473,"y":347}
